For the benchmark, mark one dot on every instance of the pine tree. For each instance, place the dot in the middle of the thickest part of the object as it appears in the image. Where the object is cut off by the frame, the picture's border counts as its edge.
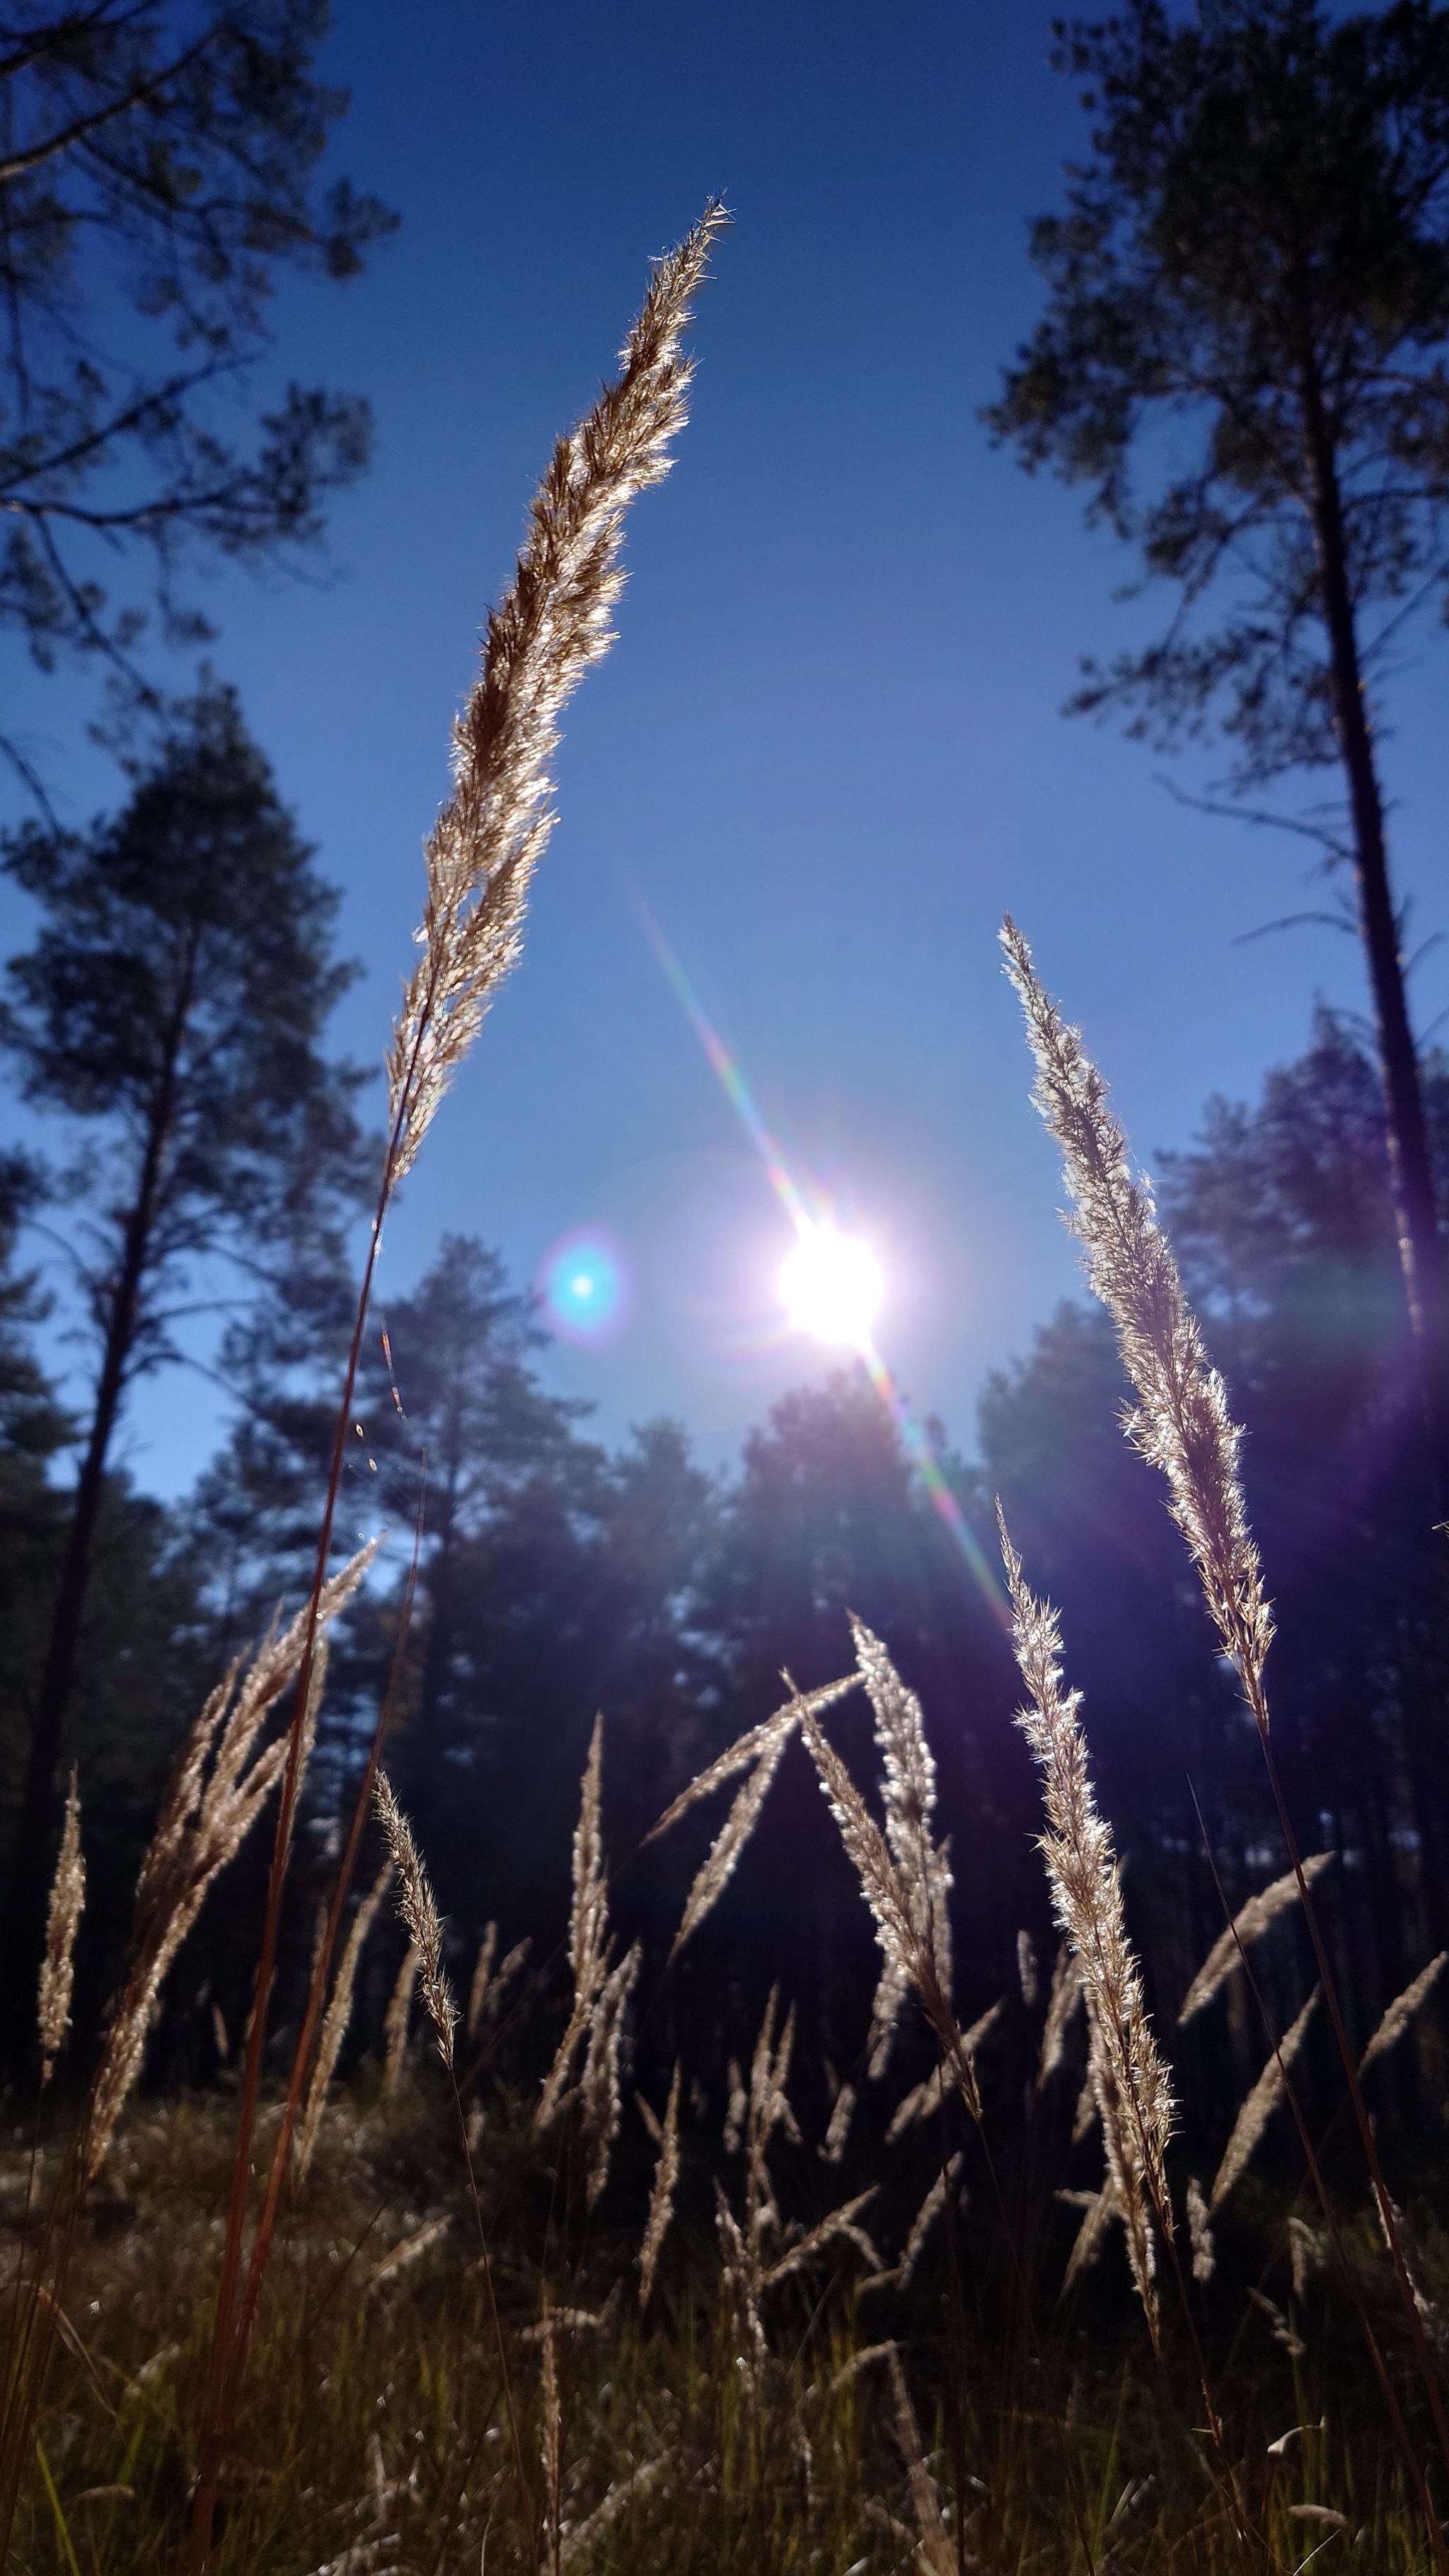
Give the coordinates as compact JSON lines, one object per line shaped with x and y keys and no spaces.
{"x":1258,"y":256}
{"x":159,"y":168}
{"x":172,"y":1008}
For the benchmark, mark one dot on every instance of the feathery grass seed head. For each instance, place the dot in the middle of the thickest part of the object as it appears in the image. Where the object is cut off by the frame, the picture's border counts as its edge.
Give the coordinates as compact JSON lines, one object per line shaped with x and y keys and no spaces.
{"x":539,"y":641}
{"x":1181,"y":1421}
{"x":219,"y":1785}
{"x":336,"y":2019}
{"x":1248,"y":1925}
{"x":57,"y":1968}
{"x":1130,"y":2082}
{"x":1402,"y":2010}
{"x":418,"y":1909}
{"x":1259,"y":2106}
{"x":661,"y":2197}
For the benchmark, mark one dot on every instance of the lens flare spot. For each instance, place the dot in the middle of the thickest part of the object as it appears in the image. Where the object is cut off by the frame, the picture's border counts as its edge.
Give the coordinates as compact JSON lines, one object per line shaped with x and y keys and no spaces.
{"x":831,"y":1286}
{"x":583,"y":1288}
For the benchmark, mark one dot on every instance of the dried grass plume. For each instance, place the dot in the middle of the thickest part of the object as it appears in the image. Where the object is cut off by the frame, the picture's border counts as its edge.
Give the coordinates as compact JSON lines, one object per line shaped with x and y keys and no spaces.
{"x":1402,"y":2010}
{"x":219,"y":1785}
{"x":57,"y":1968}
{"x":661,"y":2197}
{"x":1130,"y":2082}
{"x":1248,"y":1925}
{"x":419,"y":1911}
{"x":552,"y":623}
{"x":758,"y":1751}
{"x":1181,"y":1421}
{"x":337,"y":2017}
{"x":1258,"y":2108}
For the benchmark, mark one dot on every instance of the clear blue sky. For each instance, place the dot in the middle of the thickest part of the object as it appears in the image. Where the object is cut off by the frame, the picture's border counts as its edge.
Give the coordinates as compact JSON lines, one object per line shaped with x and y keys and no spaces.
{"x":826,"y":746}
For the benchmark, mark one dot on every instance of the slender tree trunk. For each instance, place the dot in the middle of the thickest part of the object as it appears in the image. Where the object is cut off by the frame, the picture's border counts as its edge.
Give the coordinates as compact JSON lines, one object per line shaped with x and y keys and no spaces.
{"x":1411,"y":1171}
{"x":26,"y":1904}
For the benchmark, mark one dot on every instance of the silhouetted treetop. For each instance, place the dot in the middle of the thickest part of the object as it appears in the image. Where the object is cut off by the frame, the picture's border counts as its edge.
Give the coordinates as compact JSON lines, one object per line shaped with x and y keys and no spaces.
{"x":159,"y":164}
{"x":1249,"y":290}
{"x":1260,"y":250}
{"x":173,"y":1006}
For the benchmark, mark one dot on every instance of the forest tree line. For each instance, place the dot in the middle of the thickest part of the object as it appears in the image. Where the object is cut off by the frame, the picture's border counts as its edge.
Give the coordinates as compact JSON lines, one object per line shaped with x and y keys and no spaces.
{"x":555,"y":1578}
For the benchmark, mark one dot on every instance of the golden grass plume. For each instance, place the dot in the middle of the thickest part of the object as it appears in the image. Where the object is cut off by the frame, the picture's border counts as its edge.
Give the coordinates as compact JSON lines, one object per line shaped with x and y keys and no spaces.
{"x":661,"y":2197}
{"x":1402,"y":2010}
{"x":57,"y":1968}
{"x":589,"y":1942}
{"x":1259,"y":2106}
{"x":1130,"y":2082}
{"x":758,"y":1751}
{"x":337,"y":2017}
{"x":418,"y":1908}
{"x":551,"y":624}
{"x":908,"y":1792}
{"x":1248,"y":1925}
{"x":218,"y":1788}
{"x":1181,"y":1421}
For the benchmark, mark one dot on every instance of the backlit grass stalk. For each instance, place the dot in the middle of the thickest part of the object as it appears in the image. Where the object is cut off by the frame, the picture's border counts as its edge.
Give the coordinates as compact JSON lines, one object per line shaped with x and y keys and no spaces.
{"x":317,"y":1987}
{"x":759,"y":1751}
{"x":220,"y":1783}
{"x":1181,"y":1423}
{"x":480,"y":857}
{"x":1401,"y":2012}
{"x":218,"y":1788}
{"x":1348,"y":2273}
{"x":1248,"y":1925}
{"x":57,"y":1968}
{"x":1130,"y":2082}
{"x":418,"y":1909}
{"x":590,"y":1945}
{"x":909,"y":1793}
{"x":1258,"y":2107}
{"x":903,"y":1879}
{"x":338,"y":2015}
{"x":661,"y":2197}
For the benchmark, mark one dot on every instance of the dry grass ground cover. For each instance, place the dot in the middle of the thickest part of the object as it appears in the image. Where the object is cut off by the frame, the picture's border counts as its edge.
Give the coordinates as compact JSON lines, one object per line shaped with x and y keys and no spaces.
{"x":874,"y":2428}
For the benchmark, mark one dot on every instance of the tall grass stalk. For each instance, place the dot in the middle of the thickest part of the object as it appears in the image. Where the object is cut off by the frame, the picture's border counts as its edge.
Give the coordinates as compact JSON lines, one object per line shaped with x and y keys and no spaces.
{"x":1129,"y":2079}
{"x":312,"y":2019}
{"x":758,"y":1751}
{"x":479,"y":862}
{"x":901,"y":1877}
{"x":1183,"y":1426}
{"x":62,"y":1922}
{"x":1387,"y":2390}
{"x":219,"y":1786}
{"x":1248,"y":1925}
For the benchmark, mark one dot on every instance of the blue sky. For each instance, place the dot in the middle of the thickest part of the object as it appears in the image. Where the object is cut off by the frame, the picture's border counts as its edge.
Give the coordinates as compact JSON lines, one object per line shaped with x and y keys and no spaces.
{"x":826,"y":747}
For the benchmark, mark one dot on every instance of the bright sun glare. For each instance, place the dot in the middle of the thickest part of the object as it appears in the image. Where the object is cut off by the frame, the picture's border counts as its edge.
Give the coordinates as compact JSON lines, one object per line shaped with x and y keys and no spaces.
{"x":831,"y":1285}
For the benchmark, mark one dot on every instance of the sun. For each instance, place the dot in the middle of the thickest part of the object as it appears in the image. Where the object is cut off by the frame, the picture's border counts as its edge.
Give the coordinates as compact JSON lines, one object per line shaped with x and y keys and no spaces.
{"x":831,"y":1286}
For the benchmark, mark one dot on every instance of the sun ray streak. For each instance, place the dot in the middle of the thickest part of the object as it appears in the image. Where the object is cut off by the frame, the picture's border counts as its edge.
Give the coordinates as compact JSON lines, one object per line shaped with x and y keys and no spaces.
{"x":808,"y":1210}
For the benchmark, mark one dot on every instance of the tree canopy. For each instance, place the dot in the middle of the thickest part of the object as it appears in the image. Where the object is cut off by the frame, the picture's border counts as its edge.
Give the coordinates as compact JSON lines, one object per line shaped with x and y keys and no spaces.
{"x":1257,"y":255}
{"x":160,"y":164}
{"x":1260,"y":250}
{"x":172,"y":1009}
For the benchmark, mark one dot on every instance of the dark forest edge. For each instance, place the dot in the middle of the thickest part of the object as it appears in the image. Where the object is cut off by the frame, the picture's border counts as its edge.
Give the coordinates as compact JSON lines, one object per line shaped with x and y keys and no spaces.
{"x":555,"y":1579}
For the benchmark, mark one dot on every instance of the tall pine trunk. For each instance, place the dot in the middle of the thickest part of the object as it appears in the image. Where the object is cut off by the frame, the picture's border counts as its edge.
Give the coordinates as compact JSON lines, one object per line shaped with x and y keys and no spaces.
{"x":1411,"y":1170}
{"x":25,"y":1912}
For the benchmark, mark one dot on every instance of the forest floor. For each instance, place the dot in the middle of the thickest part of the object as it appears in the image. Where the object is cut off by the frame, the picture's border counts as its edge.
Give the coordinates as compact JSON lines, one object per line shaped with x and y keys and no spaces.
{"x":389,"y":2425}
